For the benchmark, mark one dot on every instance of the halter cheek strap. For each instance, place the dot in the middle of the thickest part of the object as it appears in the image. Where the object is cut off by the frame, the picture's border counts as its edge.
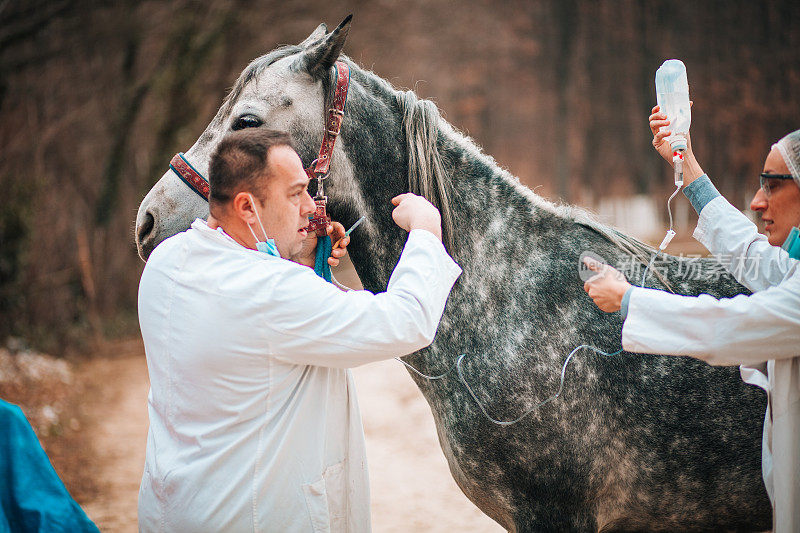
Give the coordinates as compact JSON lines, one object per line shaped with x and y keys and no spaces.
{"x":333,"y":122}
{"x":318,"y":169}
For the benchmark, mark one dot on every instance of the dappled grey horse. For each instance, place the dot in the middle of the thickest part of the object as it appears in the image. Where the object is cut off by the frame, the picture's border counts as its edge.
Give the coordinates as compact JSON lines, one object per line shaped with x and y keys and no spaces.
{"x":635,"y":442}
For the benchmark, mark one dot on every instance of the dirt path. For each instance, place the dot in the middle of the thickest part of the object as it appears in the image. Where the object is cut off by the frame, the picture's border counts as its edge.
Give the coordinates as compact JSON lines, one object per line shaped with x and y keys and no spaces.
{"x":412,"y":489}
{"x":118,"y":388}
{"x":411,"y":485}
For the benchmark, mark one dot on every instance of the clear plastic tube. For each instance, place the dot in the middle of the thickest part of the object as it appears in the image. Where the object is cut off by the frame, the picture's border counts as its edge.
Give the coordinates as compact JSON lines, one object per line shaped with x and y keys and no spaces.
{"x":677,"y":162}
{"x":482,"y":408}
{"x":457,"y":365}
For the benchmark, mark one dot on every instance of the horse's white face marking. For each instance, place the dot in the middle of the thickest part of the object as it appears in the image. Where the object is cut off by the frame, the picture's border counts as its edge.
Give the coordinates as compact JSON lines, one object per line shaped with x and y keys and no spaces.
{"x":282,"y":99}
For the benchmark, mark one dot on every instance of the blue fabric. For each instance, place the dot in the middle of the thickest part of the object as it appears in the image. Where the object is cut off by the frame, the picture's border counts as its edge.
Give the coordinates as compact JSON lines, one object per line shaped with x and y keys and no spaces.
{"x":792,"y":243}
{"x":321,"y":266}
{"x":268,"y":247}
{"x":623,"y":309}
{"x":32,"y":497}
{"x":700,"y":192}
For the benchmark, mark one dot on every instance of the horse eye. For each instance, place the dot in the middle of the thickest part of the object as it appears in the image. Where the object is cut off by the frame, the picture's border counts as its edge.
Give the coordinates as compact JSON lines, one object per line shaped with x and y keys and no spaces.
{"x":246,"y":121}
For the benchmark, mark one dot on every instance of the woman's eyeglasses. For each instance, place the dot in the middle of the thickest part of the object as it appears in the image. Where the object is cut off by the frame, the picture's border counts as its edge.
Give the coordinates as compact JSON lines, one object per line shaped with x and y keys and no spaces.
{"x":770,"y":182}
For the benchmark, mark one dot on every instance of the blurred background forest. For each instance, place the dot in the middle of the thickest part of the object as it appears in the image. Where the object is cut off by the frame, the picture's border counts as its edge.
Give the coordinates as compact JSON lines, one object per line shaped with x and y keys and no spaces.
{"x":96,"y":96}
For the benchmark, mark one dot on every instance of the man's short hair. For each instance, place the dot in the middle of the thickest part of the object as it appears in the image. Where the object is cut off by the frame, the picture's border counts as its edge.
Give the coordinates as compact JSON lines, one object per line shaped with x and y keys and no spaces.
{"x":240,"y":163}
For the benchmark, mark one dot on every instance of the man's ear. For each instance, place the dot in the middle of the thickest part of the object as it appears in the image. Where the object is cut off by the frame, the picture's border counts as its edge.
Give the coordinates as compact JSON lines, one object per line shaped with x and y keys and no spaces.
{"x":242,"y":208}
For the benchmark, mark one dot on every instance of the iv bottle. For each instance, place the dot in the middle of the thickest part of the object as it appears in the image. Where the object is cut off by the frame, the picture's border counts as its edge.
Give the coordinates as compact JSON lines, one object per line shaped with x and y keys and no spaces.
{"x":672,"y":96}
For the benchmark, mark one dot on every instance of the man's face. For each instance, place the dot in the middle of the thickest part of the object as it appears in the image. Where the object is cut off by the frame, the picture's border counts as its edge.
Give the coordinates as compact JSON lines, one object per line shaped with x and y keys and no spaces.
{"x":287,"y":205}
{"x":781,"y":211}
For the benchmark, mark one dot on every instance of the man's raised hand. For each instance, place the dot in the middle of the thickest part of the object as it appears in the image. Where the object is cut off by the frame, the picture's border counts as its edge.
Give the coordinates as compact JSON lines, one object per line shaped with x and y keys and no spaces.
{"x":415,"y":212}
{"x":336,"y":232}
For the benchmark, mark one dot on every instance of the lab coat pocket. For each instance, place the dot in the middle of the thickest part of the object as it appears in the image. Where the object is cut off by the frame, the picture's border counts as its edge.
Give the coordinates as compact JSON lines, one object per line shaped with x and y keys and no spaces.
{"x":326,"y":500}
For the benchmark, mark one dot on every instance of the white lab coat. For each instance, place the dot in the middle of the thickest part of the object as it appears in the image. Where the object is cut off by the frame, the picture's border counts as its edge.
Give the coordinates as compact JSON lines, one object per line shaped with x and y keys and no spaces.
{"x":761,"y":332}
{"x":254,"y":424}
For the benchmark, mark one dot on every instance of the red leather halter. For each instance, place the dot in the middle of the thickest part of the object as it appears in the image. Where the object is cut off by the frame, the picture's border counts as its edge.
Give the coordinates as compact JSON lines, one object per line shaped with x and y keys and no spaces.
{"x":318,"y":169}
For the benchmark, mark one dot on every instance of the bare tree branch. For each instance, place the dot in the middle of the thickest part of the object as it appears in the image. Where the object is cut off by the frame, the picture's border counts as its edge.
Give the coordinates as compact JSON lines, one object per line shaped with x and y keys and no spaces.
{"x":31,"y":25}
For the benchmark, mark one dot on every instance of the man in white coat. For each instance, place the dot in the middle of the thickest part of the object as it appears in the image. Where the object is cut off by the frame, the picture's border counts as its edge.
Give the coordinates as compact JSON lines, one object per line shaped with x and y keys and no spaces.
{"x":760,"y":332}
{"x":254,"y":424}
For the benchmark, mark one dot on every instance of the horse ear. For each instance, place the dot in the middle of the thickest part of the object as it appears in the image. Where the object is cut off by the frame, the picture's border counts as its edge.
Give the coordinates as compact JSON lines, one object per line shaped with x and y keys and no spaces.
{"x":320,"y":56}
{"x":316,"y":35}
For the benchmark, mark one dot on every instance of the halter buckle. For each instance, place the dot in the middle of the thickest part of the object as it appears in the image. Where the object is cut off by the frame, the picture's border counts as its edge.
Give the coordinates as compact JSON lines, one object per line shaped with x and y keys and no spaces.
{"x":335,"y":119}
{"x":318,"y":222}
{"x":321,"y":186}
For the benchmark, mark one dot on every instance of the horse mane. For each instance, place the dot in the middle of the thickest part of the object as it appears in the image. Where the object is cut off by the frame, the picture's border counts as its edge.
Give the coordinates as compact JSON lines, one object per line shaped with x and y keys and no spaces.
{"x":426,"y":174}
{"x":253,"y":70}
{"x":427,"y":177}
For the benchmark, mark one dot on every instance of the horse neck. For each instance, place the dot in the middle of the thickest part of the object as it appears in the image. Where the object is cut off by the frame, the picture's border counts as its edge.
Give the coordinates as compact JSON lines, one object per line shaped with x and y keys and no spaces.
{"x":486,"y":198}
{"x":483,"y":197}
{"x":371,"y":138}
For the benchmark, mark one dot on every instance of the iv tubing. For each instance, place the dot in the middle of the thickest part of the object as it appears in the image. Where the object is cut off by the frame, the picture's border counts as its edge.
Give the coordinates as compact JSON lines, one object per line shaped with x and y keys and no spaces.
{"x":489,"y":417}
{"x":667,"y":239}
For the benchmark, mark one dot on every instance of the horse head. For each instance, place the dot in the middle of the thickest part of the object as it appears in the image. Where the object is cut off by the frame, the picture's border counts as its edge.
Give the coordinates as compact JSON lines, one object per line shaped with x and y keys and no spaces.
{"x":387,"y":145}
{"x":284,"y":89}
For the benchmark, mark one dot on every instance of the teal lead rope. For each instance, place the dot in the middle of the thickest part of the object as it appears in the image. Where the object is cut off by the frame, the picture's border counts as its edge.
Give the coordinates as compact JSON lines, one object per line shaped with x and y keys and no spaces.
{"x":324,"y":249}
{"x":321,"y":266}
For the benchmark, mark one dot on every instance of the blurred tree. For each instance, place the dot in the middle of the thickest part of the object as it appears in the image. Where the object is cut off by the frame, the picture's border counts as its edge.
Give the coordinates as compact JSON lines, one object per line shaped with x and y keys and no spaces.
{"x":566,"y":21}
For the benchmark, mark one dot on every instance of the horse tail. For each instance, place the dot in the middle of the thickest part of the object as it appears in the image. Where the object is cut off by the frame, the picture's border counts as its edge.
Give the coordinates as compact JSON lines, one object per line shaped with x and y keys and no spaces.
{"x":426,"y":174}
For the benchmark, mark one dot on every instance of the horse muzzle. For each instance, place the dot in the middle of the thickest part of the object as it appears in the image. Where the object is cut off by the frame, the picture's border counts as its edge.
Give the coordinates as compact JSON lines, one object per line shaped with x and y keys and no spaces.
{"x":168,"y":208}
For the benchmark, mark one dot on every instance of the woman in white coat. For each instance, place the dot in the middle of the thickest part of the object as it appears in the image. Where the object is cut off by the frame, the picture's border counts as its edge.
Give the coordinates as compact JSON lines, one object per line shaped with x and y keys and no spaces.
{"x":760,"y":332}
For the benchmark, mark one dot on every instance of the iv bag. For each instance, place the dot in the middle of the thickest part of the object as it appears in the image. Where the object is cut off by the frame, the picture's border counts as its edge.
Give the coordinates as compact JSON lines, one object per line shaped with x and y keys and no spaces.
{"x":672,"y":95}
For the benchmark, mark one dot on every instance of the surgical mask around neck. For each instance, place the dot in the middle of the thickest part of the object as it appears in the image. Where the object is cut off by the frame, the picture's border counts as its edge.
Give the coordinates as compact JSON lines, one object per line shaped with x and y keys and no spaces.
{"x":792,"y":243}
{"x":266,"y":246}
